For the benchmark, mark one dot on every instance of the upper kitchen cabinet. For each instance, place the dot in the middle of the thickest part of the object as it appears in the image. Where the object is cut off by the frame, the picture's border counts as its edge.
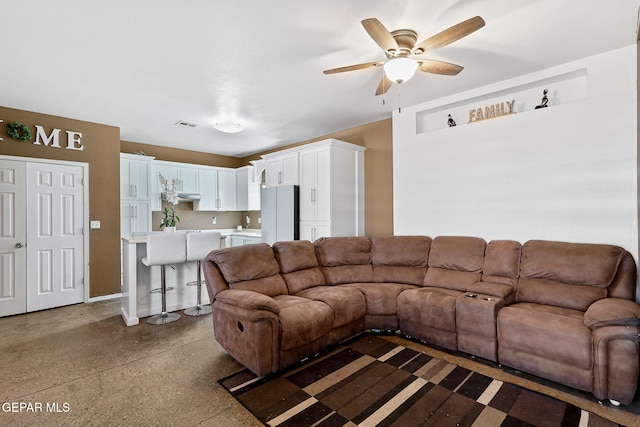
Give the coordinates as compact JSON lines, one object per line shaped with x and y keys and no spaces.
{"x":248,"y":189}
{"x":186,"y":177}
{"x":134,"y":176}
{"x":227,"y":197}
{"x":281,"y":168}
{"x":217,"y":188}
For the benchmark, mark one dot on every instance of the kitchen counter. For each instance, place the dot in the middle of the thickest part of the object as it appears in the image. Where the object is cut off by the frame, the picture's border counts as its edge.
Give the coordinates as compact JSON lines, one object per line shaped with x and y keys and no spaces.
{"x":138,"y":280}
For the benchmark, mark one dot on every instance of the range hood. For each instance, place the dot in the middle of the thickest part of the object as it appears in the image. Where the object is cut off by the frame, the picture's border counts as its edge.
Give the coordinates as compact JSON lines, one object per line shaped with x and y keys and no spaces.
{"x":189,"y":197}
{"x":186,"y":197}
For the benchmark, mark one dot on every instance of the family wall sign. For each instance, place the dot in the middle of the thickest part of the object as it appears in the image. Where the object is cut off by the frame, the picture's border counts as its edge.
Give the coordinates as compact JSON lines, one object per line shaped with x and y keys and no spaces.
{"x":21,"y":132}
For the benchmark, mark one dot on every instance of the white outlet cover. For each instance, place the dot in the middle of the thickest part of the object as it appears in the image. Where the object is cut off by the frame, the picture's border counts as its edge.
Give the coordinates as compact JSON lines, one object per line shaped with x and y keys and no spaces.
{"x":95,"y":224}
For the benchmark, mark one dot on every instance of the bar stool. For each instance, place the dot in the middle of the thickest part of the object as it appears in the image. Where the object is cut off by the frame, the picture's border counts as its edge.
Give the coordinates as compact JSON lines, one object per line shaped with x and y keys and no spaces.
{"x":164,"y":249}
{"x":198,"y":246}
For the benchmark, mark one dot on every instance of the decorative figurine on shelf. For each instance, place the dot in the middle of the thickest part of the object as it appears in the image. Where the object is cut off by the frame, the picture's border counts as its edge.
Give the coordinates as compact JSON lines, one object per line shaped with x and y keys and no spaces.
{"x":545,"y":100}
{"x":451,"y":122}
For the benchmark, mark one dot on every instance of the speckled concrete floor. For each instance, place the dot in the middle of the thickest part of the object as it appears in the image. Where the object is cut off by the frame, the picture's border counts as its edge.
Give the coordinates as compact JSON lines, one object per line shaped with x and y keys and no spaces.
{"x":80,"y":365}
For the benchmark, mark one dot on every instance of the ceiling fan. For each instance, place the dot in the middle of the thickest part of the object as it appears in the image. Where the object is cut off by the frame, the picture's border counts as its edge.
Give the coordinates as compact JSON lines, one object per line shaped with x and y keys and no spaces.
{"x":400,"y":48}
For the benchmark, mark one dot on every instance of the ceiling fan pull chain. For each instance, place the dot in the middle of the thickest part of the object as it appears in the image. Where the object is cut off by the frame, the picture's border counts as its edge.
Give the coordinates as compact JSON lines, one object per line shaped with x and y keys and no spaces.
{"x":384,"y":92}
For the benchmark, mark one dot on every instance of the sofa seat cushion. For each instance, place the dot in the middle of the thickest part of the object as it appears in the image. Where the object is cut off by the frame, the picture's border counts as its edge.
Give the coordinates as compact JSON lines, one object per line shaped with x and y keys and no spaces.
{"x":347,"y":303}
{"x":551,"y":333}
{"x":302,"y":320}
{"x":431,"y":307}
{"x":381,"y":298}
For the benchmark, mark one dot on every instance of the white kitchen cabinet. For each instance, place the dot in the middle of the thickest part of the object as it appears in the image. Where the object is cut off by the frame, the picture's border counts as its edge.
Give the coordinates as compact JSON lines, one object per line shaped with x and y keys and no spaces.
{"x":331,"y":190}
{"x":281,"y":168}
{"x":134,"y":176}
{"x":135,"y":193}
{"x":217,"y":189}
{"x":169,"y":171}
{"x":208,"y":182}
{"x":242,"y":240}
{"x":313,"y":230}
{"x":247,"y":189}
{"x":227,"y":197}
{"x":135,"y":217}
{"x":186,"y":177}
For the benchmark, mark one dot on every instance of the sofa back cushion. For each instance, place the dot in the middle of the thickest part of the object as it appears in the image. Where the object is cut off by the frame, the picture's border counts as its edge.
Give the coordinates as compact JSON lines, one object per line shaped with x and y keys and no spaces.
{"x":250,"y":267}
{"x":502,"y":262}
{"x":344,"y":259}
{"x":298,"y":265}
{"x":570,"y":275}
{"x":400,"y":259}
{"x":455,"y":262}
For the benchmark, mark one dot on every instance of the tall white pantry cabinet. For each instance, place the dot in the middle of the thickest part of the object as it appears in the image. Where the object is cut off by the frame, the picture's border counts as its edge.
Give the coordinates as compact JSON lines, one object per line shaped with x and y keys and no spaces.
{"x":331,"y":180}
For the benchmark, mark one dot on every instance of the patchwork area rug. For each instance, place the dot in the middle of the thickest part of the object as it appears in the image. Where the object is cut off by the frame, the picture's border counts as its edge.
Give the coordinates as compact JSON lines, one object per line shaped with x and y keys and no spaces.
{"x":375,"y":382}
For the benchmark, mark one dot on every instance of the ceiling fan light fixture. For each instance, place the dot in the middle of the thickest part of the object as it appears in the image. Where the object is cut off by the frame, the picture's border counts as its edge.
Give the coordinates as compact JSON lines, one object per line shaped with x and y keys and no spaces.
{"x":400,"y":69}
{"x":229,"y":127}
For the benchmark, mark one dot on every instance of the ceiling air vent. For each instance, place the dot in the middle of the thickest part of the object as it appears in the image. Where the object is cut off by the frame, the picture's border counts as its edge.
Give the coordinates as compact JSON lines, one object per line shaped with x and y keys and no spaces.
{"x":186,"y":123}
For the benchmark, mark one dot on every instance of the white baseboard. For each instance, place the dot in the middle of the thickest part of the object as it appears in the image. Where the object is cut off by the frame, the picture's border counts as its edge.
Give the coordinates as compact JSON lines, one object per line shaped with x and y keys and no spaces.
{"x":105,"y":297}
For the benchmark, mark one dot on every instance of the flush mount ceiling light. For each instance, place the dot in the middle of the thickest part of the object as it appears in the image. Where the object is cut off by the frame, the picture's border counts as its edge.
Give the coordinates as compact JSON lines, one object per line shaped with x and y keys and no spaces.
{"x":400,"y":69}
{"x":229,"y":127}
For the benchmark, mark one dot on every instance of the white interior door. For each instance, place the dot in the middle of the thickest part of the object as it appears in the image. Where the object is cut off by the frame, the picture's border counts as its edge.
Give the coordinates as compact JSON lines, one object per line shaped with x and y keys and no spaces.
{"x":55,"y":221}
{"x":13,"y":238}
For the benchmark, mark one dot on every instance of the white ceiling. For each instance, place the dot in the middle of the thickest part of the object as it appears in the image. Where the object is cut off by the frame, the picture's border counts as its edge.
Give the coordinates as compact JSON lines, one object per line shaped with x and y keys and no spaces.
{"x":143,"y":65}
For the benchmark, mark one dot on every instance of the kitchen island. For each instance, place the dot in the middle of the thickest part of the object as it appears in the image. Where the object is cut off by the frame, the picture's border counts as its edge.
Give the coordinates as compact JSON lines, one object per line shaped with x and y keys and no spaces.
{"x":139,"y":281}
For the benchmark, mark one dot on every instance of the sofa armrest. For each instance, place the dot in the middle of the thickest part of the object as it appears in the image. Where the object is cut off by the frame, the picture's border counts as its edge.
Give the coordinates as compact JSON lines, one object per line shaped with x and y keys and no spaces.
{"x":612,"y":311}
{"x":616,"y":362}
{"x":248,"y":299}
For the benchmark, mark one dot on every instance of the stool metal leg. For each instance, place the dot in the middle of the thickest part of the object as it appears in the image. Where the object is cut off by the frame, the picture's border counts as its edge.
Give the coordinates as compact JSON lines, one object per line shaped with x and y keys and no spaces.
{"x":199,"y":309}
{"x":163,"y":317}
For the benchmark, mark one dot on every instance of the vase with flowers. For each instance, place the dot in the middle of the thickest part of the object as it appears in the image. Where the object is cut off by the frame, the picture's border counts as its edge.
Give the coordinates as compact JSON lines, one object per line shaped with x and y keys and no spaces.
{"x":170,"y":197}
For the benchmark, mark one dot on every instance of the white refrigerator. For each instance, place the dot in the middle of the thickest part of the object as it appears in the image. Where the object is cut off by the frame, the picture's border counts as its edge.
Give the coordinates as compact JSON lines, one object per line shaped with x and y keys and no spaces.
{"x":280,"y":213}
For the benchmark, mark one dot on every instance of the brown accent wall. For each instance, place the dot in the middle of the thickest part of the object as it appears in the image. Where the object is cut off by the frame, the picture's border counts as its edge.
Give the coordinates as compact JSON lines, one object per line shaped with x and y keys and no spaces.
{"x":377,"y":137}
{"x":182,"y":156}
{"x":102,"y":153}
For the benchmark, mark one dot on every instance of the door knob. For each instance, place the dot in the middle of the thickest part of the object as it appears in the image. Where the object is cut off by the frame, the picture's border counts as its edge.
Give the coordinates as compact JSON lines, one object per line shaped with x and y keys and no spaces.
{"x":18,"y":245}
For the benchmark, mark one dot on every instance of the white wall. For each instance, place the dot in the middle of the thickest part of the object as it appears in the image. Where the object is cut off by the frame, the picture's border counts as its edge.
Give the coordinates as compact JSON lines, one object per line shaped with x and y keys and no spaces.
{"x":567,"y":172}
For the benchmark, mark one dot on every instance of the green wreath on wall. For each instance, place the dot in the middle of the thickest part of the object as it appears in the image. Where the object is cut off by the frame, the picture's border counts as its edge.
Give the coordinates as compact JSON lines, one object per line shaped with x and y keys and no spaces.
{"x":19,"y":131}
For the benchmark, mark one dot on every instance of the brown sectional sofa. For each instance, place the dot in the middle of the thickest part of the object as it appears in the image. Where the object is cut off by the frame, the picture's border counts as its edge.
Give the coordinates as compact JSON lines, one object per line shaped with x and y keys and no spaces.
{"x":562,"y":311}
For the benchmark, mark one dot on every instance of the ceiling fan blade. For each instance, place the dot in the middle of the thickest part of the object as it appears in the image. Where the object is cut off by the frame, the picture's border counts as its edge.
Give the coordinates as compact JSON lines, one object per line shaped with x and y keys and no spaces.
{"x":449,"y":35}
{"x":354,"y":67}
{"x":439,"y":67}
{"x":380,"y":34}
{"x":384,"y":85}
